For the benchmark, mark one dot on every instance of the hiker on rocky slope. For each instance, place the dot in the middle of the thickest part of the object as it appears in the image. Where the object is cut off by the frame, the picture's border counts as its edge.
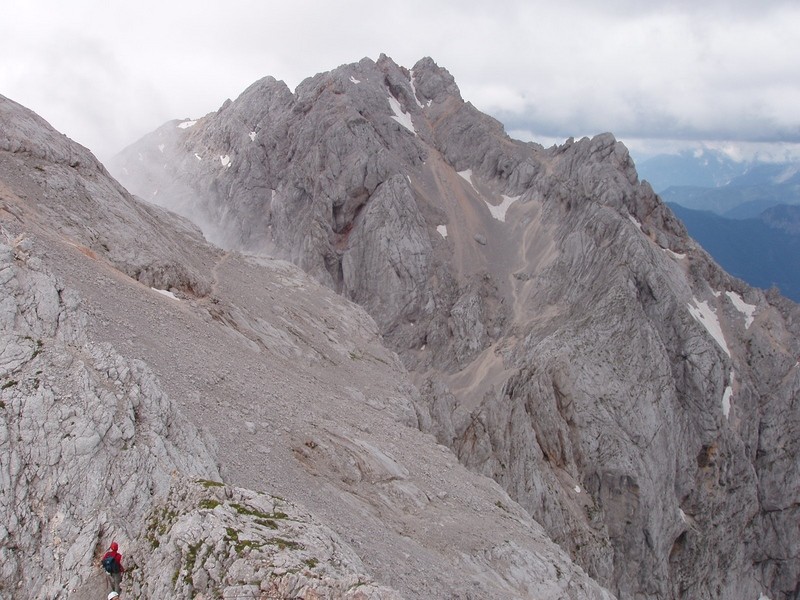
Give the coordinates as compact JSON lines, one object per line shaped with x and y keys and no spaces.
{"x":112,"y":563}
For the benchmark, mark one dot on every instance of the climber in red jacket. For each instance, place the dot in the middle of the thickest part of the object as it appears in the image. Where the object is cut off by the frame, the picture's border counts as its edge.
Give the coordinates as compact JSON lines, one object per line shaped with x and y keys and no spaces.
{"x":112,"y":563}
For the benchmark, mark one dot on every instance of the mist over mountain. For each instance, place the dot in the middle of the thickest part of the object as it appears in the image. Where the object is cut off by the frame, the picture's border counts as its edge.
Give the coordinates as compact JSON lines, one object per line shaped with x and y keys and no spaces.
{"x":695,"y":169}
{"x":503,"y":371}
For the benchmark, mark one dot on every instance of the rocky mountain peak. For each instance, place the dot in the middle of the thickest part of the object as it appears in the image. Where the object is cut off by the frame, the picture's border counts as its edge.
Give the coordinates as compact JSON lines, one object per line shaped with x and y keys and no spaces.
{"x":238,"y":429}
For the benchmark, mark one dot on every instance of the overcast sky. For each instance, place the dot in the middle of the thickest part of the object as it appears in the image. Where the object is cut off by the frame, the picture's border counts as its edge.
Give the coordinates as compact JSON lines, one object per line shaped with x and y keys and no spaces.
{"x":659,"y":75}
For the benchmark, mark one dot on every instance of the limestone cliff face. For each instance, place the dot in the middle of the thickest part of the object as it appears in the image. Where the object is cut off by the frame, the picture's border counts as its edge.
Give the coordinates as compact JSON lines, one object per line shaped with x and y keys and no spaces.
{"x":239,"y":430}
{"x":88,"y":438}
{"x":567,"y":336}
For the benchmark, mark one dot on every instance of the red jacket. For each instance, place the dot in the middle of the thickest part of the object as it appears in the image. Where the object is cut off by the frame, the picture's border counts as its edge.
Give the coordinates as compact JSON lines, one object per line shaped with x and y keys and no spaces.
{"x":117,"y":557}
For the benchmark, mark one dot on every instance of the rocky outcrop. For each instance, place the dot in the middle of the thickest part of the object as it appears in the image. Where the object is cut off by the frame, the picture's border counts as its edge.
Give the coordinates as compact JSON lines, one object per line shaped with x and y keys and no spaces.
{"x":88,"y":438}
{"x":568,"y":337}
{"x":216,"y":541}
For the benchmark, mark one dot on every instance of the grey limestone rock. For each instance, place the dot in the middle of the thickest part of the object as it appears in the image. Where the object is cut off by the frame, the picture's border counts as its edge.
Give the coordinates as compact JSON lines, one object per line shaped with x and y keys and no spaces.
{"x":391,"y":241}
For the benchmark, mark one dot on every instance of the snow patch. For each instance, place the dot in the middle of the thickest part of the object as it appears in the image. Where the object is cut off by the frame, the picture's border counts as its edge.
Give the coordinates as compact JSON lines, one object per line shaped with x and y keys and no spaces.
{"x":187,"y":124}
{"x":467,"y":176}
{"x":683,"y":515}
{"x":252,"y":135}
{"x":577,"y":489}
{"x":499,"y":212}
{"x":675,"y":255}
{"x":161,"y":148}
{"x":442,"y":229}
{"x":197,"y":156}
{"x":635,"y":222}
{"x":726,"y":401}
{"x":354,"y":80}
{"x":401,"y":117}
{"x":716,"y":294}
{"x":706,"y":316}
{"x":165,"y":293}
{"x":414,"y":90}
{"x":763,"y":597}
{"x":225,"y":160}
{"x":748,"y":310}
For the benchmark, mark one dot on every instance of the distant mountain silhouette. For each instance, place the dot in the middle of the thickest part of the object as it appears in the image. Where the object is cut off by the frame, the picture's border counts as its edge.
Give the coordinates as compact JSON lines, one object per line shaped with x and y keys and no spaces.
{"x":711,"y":181}
{"x":761,"y":251}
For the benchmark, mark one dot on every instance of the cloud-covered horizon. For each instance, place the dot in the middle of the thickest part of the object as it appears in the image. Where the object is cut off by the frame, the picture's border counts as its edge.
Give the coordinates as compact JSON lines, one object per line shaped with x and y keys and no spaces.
{"x":700,"y":73}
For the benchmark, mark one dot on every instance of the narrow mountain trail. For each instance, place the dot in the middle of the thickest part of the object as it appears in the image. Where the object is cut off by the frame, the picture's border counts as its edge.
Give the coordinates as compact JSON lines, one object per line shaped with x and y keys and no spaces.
{"x":215,"y":271}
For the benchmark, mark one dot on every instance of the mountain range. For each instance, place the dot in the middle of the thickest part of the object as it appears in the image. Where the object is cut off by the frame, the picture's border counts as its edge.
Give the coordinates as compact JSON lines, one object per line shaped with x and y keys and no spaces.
{"x":424,"y":360}
{"x":765,"y":251}
{"x":744,"y":213}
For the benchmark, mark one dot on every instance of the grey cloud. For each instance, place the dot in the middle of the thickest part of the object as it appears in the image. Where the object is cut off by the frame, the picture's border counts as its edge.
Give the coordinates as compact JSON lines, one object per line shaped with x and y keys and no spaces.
{"x":712,"y":70}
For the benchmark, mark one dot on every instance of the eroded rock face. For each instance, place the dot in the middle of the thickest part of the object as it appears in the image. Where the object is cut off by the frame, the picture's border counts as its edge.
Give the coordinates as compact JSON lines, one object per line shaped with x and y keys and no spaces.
{"x":87,"y":438}
{"x":569,"y":339}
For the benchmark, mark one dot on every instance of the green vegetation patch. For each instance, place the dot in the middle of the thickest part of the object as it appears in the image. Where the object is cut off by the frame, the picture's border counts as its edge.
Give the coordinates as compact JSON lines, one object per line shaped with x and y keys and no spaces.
{"x":267,"y":523}
{"x":38,"y":346}
{"x":231,"y":535}
{"x":209,"y":503}
{"x":9,"y":384}
{"x":191,"y":558}
{"x":246,"y":510}
{"x":242,"y":544}
{"x":159,"y":524}
{"x":283,"y":544}
{"x":208,"y":483}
